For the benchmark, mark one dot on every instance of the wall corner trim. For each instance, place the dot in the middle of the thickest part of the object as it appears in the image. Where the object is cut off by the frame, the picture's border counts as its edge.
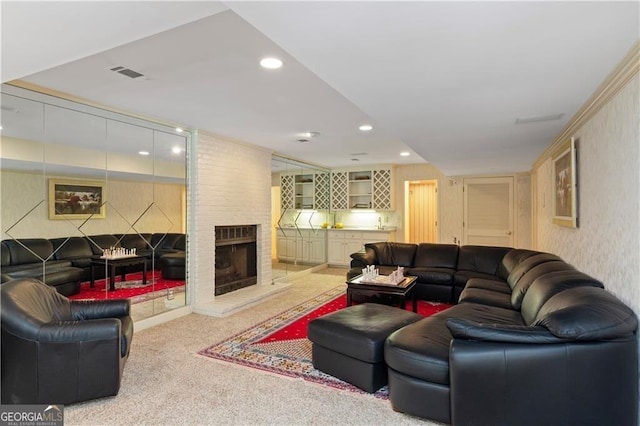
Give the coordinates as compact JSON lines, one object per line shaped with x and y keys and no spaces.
{"x":628,"y":67}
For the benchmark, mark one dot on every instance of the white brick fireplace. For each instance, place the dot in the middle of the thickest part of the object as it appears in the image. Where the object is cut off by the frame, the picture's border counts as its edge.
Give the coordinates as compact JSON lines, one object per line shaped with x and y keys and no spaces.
{"x":230,"y":184}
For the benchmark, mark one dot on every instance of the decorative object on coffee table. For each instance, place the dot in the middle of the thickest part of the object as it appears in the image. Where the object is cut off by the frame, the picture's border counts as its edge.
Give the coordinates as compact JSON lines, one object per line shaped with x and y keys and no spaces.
{"x":384,"y":290}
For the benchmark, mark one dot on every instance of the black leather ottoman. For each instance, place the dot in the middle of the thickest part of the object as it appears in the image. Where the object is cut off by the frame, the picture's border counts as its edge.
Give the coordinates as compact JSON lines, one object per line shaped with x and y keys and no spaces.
{"x":172,"y":266}
{"x":349,"y":343}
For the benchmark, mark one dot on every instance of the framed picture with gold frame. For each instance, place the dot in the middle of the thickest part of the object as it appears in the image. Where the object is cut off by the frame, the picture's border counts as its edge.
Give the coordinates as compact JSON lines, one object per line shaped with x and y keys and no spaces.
{"x":76,"y":199}
{"x":565,"y":185}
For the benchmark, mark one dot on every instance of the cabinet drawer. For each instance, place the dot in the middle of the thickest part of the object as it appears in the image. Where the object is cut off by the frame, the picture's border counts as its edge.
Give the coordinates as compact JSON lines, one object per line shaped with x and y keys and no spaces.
{"x":374,"y":237}
{"x":336,"y":235}
{"x":349,"y":235}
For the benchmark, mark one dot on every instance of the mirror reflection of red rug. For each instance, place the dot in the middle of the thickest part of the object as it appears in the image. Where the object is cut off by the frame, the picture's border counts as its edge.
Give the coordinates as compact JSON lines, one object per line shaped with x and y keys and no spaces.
{"x":132,"y":288}
{"x":280,"y":345}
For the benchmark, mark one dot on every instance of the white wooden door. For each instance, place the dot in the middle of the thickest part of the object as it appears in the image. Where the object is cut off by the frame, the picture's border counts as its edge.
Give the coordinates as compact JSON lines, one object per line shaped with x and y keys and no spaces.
{"x":488,"y":211}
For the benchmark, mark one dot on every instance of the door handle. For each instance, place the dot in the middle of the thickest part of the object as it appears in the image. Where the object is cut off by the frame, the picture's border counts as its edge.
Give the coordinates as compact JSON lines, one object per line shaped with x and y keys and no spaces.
{"x":508,"y":232}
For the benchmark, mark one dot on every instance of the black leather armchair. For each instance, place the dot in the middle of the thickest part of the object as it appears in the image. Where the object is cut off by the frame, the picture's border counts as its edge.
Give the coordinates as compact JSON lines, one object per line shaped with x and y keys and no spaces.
{"x":58,"y":351}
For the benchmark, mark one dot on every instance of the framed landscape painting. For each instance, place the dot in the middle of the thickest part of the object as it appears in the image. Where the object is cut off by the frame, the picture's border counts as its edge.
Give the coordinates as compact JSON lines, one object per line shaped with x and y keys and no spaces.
{"x":76,"y":199}
{"x":565,"y":189}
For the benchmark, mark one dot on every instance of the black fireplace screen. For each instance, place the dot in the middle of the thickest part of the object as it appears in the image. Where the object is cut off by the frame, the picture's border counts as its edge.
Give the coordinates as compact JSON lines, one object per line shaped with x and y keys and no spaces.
{"x":235,"y":258}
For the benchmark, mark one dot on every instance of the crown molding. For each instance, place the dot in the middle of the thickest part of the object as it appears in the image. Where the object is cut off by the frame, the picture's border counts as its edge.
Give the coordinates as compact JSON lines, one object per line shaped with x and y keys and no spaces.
{"x":628,"y":68}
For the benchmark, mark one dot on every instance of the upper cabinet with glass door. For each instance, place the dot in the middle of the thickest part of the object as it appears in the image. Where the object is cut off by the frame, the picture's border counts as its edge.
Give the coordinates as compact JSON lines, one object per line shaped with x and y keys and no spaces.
{"x":370,"y":188}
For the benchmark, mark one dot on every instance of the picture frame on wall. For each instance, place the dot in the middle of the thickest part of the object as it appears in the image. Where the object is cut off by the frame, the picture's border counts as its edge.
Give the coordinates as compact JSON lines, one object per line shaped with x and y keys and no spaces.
{"x":565,"y":187}
{"x":76,"y":199}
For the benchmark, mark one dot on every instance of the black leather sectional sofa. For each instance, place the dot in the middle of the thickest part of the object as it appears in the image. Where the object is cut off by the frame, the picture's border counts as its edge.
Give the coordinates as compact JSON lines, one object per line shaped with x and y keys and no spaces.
{"x":530,"y":341}
{"x":68,"y":260}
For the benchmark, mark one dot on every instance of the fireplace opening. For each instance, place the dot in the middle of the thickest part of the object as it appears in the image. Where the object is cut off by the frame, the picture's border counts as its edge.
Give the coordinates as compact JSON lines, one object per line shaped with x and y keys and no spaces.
{"x":236,"y":265}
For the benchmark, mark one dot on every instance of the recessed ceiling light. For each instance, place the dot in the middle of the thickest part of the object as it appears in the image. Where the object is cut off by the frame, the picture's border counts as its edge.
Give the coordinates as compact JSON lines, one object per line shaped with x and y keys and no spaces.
{"x":143,"y":152}
{"x":405,"y":154}
{"x":310,"y":134}
{"x":179,"y":130}
{"x":271,"y":63}
{"x":366,"y":127}
{"x":176,"y":150}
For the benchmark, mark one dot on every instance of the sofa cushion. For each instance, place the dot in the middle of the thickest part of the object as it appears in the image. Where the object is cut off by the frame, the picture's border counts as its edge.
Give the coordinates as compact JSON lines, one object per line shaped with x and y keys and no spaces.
{"x":460,"y":278}
{"x":430,"y":255}
{"x":492,"y":285}
{"x":71,"y":248}
{"x":421,"y":349}
{"x":164,"y":241}
{"x":442,"y":276}
{"x":394,"y":254}
{"x":548,"y":285}
{"x":29,"y":250}
{"x":136,"y":241}
{"x":587,"y":313}
{"x":512,"y":259}
{"x":6,"y":256}
{"x":523,"y":284}
{"x":527,"y":264}
{"x":481,"y":259}
{"x":485,"y":297}
{"x":100,"y":242}
{"x":181,"y":243}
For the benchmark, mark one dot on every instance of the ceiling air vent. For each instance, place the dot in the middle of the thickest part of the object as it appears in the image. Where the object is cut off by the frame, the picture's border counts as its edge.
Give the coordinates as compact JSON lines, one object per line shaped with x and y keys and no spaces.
{"x":537,"y":119}
{"x":128,"y":72}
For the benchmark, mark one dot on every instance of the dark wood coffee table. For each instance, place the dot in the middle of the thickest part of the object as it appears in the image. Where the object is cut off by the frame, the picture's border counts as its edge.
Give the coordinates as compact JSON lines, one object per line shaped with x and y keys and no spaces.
{"x":400,"y":291}
{"x":121,"y":262}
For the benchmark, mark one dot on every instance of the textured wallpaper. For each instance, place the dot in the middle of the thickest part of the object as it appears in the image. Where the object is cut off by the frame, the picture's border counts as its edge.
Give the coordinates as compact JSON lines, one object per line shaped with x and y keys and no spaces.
{"x":606,"y":245}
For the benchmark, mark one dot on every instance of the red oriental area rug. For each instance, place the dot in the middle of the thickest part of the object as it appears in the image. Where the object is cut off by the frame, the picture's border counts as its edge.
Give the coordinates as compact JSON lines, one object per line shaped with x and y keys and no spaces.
{"x":280,"y":345}
{"x":132,"y":288}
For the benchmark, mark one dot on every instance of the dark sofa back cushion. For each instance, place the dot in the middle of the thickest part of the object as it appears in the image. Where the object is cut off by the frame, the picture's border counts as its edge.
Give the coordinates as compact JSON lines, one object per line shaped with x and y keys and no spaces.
{"x":4,"y":253}
{"x":520,"y":288}
{"x":39,"y":249}
{"x":547,"y":286}
{"x":512,"y":259}
{"x":527,"y":264}
{"x":430,"y":255}
{"x":101,"y":242}
{"x":393,"y":254}
{"x":181,"y":243}
{"x":136,"y":241}
{"x":71,"y":248}
{"x":587,"y":313}
{"x":164,"y":241}
{"x":480,"y":258}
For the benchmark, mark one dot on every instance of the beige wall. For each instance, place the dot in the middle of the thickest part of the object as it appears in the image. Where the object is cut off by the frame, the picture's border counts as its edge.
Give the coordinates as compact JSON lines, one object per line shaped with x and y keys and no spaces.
{"x":126,"y":200}
{"x":451,"y":203}
{"x":606,"y":245}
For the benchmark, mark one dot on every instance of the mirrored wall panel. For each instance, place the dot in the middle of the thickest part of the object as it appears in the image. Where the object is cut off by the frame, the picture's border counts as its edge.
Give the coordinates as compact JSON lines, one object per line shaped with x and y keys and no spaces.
{"x":93,"y":202}
{"x":300,"y":216}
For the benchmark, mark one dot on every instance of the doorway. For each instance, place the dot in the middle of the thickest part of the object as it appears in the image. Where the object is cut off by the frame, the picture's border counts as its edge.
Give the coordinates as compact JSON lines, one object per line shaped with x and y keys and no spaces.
{"x":421,"y":211}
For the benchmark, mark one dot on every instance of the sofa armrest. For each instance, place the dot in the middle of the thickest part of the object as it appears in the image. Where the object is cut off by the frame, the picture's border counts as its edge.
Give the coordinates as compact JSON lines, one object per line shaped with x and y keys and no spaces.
{"x":76,"y":332}
{"x":519,"y":384}
{"x":96,"y":309}
{"x":471,"y":330}
{"x":363,"y":258}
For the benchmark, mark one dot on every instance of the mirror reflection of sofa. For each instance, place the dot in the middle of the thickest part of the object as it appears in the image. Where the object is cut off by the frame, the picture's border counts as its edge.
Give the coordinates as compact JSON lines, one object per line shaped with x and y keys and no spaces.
{"x":68,"y":259}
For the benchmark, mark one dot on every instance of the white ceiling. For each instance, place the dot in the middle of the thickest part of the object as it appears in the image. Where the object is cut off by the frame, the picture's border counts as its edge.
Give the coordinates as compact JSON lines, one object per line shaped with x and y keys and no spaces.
{"x":443,"y":80}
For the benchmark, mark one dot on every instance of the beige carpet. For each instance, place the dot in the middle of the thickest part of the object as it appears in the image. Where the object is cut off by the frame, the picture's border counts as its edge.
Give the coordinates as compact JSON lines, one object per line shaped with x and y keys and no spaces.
{"x":166,"y":383}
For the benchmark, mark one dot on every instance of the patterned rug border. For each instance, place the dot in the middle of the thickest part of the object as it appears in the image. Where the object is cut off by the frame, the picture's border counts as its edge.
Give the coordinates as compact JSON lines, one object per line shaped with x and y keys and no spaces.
{"x":242,"y":349}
